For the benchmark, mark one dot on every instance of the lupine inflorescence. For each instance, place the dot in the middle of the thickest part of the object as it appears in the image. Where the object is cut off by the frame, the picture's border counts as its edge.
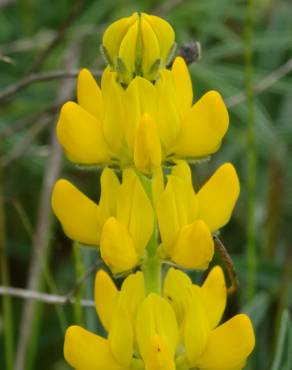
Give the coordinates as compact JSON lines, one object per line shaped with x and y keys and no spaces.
{"x":141,"y":119}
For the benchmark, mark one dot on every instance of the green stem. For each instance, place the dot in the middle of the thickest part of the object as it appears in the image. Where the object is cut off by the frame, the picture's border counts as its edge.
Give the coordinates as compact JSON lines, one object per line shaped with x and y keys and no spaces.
{"x":151,"y":265}
{"x":251,"y":156}
{"x":152,"y":275}
{"x":79,"y":271}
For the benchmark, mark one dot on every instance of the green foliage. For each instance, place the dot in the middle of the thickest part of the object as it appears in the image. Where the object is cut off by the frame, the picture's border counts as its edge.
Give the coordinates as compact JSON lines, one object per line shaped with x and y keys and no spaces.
{"x":283,"y":356}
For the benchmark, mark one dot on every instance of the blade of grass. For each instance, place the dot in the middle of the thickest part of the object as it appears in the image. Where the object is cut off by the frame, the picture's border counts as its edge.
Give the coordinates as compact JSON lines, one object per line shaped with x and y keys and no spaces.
{"x":6,"y":301}
{"x":79,"y":272}
{"x":251,"y":153}
{"x":283,"y":355}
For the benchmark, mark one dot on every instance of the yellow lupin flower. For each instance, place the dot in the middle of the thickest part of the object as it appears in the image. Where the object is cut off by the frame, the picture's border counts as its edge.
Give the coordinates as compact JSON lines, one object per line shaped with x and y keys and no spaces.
{"x":165,"y":337}
{"x":144,"y":124}
{"x":208,"y":346}
{"x":138,"y":45}
{"x":124,"y":314}
{"x":116,"y":224}
{"x":187,"y":220}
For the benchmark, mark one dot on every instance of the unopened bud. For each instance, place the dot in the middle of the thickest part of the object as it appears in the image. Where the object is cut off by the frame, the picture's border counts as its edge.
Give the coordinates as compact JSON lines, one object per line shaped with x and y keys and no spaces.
{"x":139,"y":45}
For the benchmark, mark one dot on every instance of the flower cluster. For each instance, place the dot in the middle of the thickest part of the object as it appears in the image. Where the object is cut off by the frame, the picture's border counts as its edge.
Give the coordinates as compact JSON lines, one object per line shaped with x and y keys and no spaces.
{"x":140,"y":119}
{"x":176,"y":330}
{"x":143,"y":124}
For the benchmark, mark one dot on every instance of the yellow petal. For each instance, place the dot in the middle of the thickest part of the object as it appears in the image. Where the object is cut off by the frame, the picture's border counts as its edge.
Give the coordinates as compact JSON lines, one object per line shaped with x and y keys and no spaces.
{"x":167,"y":116}
{"x":105,"y":296}
{"x":114,"y":35}
{"x":218,"y":196}
{"x":139,"y":98}
{"x":128,"y":49}
{"x":177,"y":289}
{"x":89,"y":94}
{"x":183,"y":171}
{"x":148,"y":97}
{"x":157,"y":185}
{"x":117,"y":247}
{"x":164,"y":33}
{"x":132,"y":294}
{"x":121,"y":337}
{"x":160,"y":319}
{"x":147,"y":152}
{"x":194,"y":247}
{"x":78,"y":214}
{"x":113,"y":121}
{"x":183,"y":85}
{"x":186,"y":201}
{"x":203,"y":127}
{"x":84,"y":350}
{"x":159,"y":356}
{"x":229,"y":345}
{"x":132,"y":112}
{"x":195,"y":328}
{"x":134,"y":210}
{"x":109,"y":185}
{"x":214,"y":294}
{"x":168,"y":218}
{"x":150,"y":47}
{"x":81,"y":135}
{"x":176,"y":207}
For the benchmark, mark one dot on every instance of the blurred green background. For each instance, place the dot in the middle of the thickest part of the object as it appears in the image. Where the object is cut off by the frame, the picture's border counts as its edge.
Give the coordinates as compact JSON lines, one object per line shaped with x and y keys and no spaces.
{"x":41,"y":37}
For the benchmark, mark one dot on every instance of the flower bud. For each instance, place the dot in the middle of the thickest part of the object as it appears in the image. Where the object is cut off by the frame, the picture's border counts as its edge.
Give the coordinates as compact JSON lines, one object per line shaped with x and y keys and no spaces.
{"x":138,"y":45}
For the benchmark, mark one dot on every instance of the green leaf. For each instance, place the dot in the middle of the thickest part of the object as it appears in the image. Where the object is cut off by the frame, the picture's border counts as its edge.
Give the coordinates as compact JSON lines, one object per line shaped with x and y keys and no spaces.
{"x":283,"y":355}
{"x":257,"y":308}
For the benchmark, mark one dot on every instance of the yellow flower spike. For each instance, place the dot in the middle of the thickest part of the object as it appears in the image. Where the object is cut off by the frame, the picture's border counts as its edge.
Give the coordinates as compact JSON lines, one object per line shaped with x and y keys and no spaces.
{"x":109,"y":185}
{"x":117,"y":247}
{"x":134,"y":211}
{"x":194,"y":247}
{"x":159,"y":357}
{"x":78,"y":214}
{"x":203,"y":127}
{"x":147,"y":152}
{"x":196,"y":328}
{"x":121,"y":337}
{"x":89,"y":94}
{"x":105,"y":296}
{"x":183,"y":85}
{"x":177,"y":289}
{"x":218,"y":196}
{"x":168,"y":120}
{"x":81,"y":135}
{"x":84,"y":350}
{"x":214,"y":294}
{"x":161,"y":321}
{"x":138,"y":45}
{"x":228,"y":345}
